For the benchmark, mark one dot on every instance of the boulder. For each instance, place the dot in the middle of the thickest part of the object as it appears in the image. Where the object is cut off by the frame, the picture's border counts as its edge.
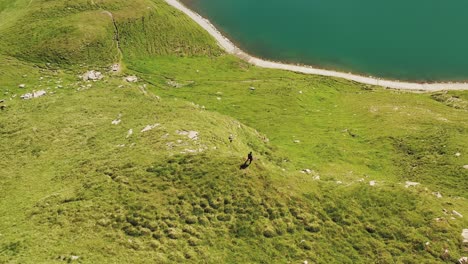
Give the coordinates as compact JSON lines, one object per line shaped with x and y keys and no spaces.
{"x":115,"y":67}
{"x":92,"y":75}
{"x":131,"y":79}
{"x":465,"y":235}
{"x":33,"y":95}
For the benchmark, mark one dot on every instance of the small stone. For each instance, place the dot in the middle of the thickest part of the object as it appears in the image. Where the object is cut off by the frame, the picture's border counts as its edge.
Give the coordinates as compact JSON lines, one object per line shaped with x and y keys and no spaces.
{"x":372,"y":183}
{"x":458,"y":154}
{"x":339,"y":182}
{"x":297,"y":141}
{"x":116,"y":122}
{"x":300,"y":92}
{"x":306,"y":171}
{"x":465,"y":167}
{"x":252,"y":88}
{"x":74,"y":257}
{"x":457,"y":213}
{"x":129,"y":133}
{"x":437,"y":194}
{"x":463,"y":260}
{"x":193,"y":135}
{"x":22,"y":85}
{"x":149,"y":127}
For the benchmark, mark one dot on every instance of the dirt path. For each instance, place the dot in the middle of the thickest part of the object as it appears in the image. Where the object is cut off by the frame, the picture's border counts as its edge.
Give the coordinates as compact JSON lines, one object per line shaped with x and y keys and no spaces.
{"x":227,"y":45}
{"x":116,"y":33}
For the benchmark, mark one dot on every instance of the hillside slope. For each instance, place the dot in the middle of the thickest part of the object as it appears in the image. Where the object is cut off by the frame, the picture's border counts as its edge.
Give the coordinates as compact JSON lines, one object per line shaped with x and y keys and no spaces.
{"x":115,"y":172}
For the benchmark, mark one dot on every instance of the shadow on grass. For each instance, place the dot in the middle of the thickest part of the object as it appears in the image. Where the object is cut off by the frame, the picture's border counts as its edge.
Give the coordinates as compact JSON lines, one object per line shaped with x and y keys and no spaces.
{"x":244,"y":166}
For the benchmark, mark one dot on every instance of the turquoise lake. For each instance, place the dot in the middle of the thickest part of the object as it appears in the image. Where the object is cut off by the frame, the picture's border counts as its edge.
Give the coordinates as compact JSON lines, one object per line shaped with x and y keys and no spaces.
{"x":408,"y":40}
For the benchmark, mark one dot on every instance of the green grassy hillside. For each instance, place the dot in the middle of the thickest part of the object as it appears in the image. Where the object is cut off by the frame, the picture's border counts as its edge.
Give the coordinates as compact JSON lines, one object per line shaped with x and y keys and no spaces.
{"x":81,"y":181}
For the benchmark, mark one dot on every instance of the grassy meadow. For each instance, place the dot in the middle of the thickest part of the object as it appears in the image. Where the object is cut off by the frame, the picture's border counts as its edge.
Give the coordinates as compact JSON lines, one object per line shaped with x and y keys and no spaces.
{"x":74,"y":187}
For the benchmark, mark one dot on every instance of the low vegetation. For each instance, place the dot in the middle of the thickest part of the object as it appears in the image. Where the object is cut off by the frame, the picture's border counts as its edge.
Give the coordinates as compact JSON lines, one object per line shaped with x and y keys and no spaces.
{"x":106,"y":172}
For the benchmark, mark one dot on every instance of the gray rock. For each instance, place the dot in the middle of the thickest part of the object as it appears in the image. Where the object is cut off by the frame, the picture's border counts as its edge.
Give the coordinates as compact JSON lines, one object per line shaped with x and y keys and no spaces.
{"x":129,"y":133}
{"x":410,"y":184}
{"x":193,"y":135}
{"x":465,"y":235}
{"x":131,"y":79}
{"x":149,"y":127}
{"x":115,"y":67}
{"x":92,"y":76}
{"x":457,"y":213}
{"x":463,"y":260}
{"x":33,"y":95}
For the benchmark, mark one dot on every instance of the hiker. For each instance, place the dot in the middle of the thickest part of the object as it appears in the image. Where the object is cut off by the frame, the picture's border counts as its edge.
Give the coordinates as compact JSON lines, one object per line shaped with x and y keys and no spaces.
{"x":249,"y":158}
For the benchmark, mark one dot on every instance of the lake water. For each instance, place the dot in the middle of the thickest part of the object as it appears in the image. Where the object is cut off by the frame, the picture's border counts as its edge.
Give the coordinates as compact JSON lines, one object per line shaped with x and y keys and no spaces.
{"x":418,"y":40}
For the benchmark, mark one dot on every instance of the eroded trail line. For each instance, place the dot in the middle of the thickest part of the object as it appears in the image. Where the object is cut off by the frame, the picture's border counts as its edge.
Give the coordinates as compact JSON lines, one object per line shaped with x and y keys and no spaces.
{"x":116,"y":33}
{"x":227,"y":45}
